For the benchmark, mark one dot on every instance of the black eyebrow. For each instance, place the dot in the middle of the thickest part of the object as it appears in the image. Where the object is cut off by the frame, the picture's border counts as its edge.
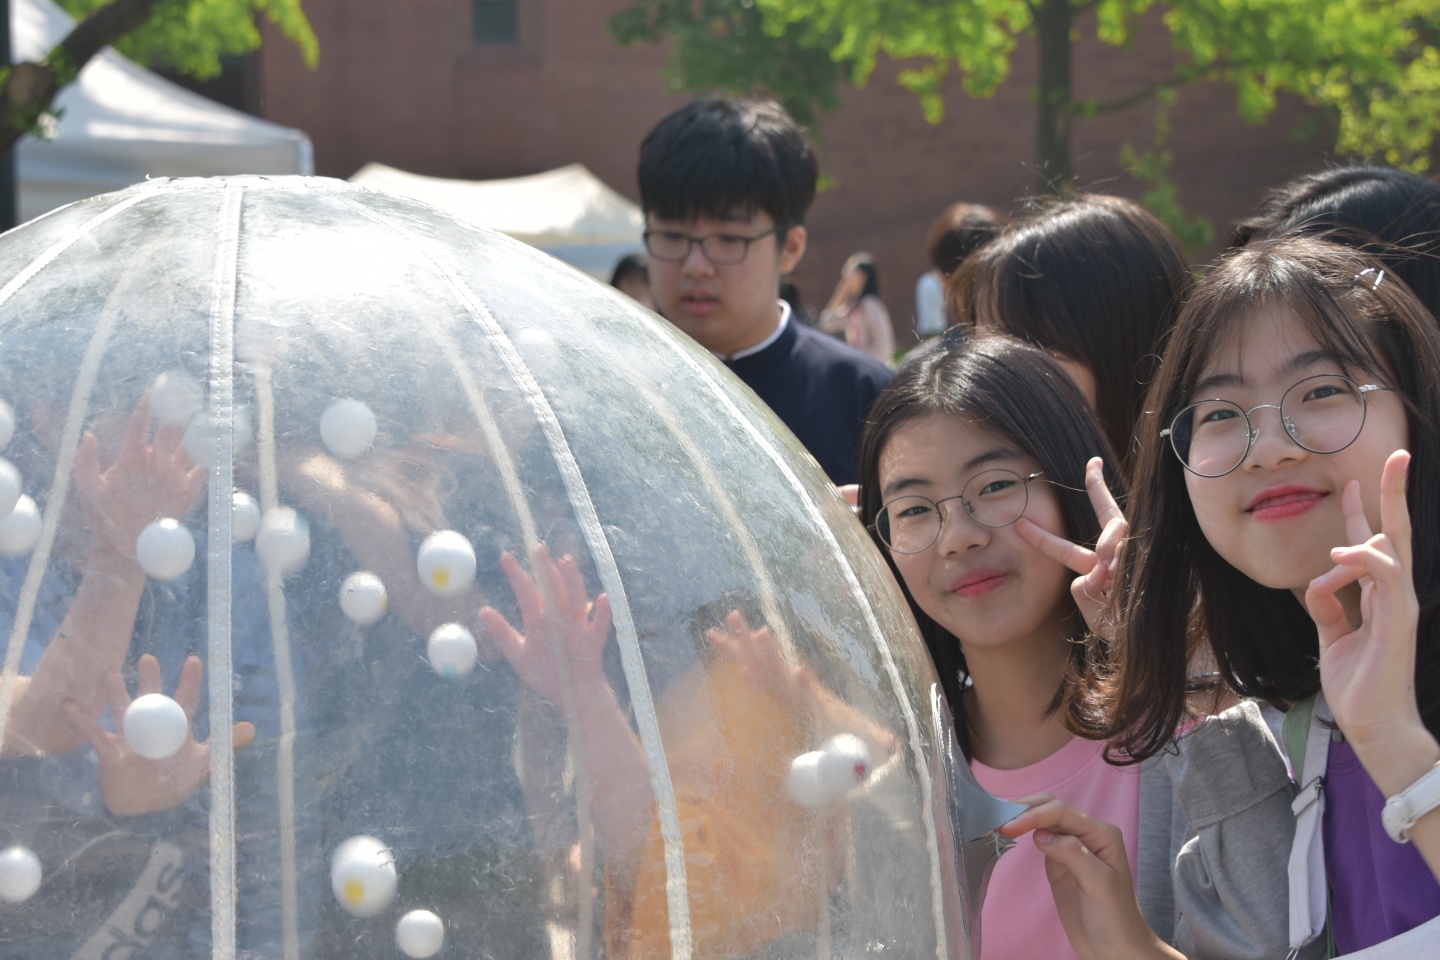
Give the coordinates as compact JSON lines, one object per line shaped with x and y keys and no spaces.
{"x":979,"y":460}
{"x":1301,"y":361}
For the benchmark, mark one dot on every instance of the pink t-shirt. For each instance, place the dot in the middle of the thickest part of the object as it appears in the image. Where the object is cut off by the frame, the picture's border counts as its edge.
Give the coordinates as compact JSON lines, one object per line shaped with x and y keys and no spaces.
{"x":1018,"y":920}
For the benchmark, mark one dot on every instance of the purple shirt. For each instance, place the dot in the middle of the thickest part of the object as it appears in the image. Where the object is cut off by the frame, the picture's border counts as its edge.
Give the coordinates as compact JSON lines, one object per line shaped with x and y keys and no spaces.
{"x":1378,"y":888}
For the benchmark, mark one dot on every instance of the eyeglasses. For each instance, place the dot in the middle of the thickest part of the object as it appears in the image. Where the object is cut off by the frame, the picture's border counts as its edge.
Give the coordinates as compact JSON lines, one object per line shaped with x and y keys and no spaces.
{"x":721,"y":249}
{"x":993,"y":498}
{"x":1322,"y":414}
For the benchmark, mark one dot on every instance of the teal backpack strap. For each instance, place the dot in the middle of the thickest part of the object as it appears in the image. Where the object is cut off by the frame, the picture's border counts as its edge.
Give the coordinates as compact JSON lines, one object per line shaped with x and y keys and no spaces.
{"x":1295,"y":731}
{"x":1296,"y":734}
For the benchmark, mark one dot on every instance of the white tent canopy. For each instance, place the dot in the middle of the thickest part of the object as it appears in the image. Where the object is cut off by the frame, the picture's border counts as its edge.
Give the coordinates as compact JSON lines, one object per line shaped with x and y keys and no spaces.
{"x":568,"y":212}
{"x":120,"y":124}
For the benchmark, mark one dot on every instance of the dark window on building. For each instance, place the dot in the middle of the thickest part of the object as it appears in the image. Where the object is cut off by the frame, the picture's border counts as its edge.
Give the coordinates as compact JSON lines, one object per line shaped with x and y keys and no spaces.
{"x":494,"y":21}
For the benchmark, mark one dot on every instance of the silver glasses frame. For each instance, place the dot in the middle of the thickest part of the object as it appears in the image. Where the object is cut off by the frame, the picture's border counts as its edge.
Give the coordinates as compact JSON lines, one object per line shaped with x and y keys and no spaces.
{"x":969,"y":510}
{"x":692,"y":240}
{"x":1252,"y":431}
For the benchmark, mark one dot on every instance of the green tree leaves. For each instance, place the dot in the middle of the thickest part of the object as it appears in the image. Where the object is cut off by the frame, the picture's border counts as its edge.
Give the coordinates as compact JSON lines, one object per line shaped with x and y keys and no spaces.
{"x":193,"y":36}
{"x":1374,"y":65}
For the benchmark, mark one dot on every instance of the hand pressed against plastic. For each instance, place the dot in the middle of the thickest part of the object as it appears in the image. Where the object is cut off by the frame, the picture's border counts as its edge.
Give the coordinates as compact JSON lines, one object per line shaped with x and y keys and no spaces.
{"x":152,"y":477}
{"x":130,"y":784}
{"x":559,"y":654}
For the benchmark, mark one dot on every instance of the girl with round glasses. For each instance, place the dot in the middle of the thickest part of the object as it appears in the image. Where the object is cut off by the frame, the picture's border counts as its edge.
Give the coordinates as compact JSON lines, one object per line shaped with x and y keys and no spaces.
{"x":1289,"y":494}
{"x":973,"y":466}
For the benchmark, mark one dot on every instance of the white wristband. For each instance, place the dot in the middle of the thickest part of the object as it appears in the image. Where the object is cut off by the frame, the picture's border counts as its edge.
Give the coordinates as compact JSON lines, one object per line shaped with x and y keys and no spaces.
{"x":1403,"y":810}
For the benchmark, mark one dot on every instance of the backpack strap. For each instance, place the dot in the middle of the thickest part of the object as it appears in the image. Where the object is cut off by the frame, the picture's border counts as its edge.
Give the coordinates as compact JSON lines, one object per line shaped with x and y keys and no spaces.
{"x":1296,"y":734}
{"x":1306,"y":733}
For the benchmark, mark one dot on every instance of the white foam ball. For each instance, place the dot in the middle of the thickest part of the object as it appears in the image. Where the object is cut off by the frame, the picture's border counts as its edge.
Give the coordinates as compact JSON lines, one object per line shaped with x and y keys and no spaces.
{"x":165,"y":549}
{"x":244,"y":517}
{"x":199,"y":437}
{"x":362,"y":876}
{"x":348,"y":428}
{"x":20,"y":874}
{"x":420,"y":934}
{"x":844,"y":763}
{"x":446,"y":563}
{"x":10,"y":487}
{"x":155,"y":726}
{"x":20,"y":531}
{"x":7,"y":424}
{"x":451,"y":651}
{"x":176,"y":396}
{"x":820,"y":777}
{"x":803,"y":784}
{"x":363,"y":597}
{"x":283,"y":540}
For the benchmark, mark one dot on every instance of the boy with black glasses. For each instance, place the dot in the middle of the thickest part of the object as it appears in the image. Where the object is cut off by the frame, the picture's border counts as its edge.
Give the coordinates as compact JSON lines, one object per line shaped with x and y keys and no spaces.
{"x":725,"y":185}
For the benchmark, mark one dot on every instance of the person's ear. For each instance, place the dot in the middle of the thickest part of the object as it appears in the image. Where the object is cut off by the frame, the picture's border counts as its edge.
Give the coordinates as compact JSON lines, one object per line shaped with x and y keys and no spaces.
{"x":793,"y":248}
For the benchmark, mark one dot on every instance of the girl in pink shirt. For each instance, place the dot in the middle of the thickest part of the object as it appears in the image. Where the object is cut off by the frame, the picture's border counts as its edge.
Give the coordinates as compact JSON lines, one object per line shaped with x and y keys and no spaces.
{"x":973,"y":474}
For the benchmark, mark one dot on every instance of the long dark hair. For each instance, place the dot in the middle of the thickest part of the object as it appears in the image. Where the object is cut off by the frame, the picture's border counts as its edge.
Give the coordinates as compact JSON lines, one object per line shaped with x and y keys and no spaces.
{"x":1388,"y":213}
{"x":1098,"y":279}
{"x":1263,"y":639}
{"x":1018,"y":392}
{"x":866,"y":265}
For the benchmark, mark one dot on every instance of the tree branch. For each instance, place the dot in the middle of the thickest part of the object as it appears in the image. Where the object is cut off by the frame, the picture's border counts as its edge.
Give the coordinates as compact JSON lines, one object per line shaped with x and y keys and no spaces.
{"x":32,"y":87}
{"x":1177,"y":79}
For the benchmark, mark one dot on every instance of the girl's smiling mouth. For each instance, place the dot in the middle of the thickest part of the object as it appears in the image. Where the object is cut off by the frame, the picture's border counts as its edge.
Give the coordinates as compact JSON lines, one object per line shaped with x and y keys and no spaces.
{"x":979,"y":582}
{"x":1283,"y":503}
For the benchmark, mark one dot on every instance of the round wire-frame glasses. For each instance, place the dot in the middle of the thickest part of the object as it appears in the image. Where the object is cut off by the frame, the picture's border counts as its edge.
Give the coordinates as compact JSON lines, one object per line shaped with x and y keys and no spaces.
{"x":1322,"y":414}
{"x":992,"y":498}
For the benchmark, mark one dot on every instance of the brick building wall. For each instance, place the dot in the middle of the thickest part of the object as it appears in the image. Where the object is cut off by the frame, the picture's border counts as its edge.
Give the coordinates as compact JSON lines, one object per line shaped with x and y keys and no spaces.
{"x":402,"y":82}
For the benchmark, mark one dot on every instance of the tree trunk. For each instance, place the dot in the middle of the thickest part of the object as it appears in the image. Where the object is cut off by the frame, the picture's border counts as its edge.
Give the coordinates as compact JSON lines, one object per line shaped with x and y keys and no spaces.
{"x":32,"y":86}
{"x":1052,"y":28}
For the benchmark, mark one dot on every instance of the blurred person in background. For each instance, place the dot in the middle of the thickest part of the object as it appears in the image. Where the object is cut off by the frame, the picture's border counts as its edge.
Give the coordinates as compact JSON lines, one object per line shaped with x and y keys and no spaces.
{"x":632,"y":278}
{"x":960,"y":230}
{"x":856,"y":311}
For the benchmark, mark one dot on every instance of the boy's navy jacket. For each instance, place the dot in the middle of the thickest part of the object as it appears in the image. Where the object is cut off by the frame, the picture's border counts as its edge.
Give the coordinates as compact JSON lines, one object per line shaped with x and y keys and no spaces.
{"x":821,"y":389}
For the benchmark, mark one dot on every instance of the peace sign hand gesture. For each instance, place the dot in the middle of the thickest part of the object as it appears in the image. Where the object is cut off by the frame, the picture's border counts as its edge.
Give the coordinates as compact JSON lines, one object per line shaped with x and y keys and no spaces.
{"x":1368,"y":672}
{"x":1096,"y":568}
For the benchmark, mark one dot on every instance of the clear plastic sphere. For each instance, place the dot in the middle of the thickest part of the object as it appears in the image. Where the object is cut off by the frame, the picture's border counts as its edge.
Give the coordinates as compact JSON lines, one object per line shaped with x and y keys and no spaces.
{"x":620,"y":601}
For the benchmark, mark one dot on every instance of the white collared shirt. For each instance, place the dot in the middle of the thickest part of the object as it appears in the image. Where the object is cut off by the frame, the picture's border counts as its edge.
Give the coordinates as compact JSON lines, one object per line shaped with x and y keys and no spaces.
{"x":775,"y":335}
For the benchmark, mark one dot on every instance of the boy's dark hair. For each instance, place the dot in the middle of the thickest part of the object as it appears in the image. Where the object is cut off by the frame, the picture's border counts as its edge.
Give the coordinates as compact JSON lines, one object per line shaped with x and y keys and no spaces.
{"x":1016,"y":391}
{"x":718,"y":157}
{"x":1391,"y":214}
{"x":960,"y":230}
